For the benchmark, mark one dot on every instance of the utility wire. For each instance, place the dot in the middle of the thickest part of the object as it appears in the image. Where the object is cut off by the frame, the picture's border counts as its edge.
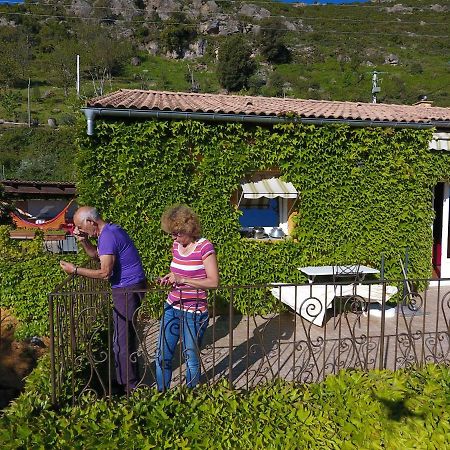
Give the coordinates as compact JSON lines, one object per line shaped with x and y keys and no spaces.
{"x":140,"y":11}
{"x":301,"y":18}
{"x":257,"y":2}
{"x":190,"y":24}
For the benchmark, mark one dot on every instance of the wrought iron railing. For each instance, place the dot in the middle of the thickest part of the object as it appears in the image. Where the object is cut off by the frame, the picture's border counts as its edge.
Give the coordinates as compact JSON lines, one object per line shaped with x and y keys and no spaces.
{"x":367,"y":327}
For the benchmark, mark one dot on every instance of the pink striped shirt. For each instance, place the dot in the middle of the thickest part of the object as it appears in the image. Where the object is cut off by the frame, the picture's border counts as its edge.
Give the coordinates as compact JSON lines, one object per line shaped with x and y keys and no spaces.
{"x":183,"y":296}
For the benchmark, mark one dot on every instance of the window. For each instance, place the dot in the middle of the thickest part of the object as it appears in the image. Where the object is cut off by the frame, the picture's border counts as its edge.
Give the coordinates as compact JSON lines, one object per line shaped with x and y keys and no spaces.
{"x":266,"y":203}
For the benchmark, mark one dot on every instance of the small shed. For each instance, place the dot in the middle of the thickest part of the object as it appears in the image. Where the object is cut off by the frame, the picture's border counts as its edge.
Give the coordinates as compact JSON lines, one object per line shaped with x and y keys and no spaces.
{"x":45,"y":205}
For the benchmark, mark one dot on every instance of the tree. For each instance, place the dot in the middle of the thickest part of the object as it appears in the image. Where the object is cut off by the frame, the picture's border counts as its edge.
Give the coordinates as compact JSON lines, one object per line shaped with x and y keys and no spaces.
{"x":14,"y":56}
{"x":178,"y":34}
{"x":5,"y":208}
{"x":103,"y":56}
{"x":9,"y":101}
{"x":63,"y":64}
{"x":235,"y":63}
{"x":270,"y":42}
{"x":38,"y":153}
{"x":276,"y":85}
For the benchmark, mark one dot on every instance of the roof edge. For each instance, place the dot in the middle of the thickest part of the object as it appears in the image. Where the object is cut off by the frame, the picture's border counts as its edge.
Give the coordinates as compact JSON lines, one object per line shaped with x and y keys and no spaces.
{"x":92,"y":113}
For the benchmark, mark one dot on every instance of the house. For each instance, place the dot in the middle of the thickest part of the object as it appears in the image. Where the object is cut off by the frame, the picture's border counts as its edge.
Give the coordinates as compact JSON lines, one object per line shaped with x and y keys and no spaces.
{"x":266,"y":197}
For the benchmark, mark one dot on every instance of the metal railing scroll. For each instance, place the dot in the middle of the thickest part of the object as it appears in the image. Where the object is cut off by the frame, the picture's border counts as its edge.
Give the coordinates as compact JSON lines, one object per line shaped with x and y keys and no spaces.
{"x":286,"y":331}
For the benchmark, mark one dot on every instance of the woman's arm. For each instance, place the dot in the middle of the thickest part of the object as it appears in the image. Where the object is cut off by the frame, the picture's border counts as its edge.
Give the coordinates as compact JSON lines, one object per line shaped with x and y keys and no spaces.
{"x":212,"y":276}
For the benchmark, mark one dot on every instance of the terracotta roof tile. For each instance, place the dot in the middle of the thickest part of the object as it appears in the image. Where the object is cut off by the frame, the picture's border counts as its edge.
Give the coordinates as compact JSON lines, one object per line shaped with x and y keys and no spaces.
{"x":268,"y":106}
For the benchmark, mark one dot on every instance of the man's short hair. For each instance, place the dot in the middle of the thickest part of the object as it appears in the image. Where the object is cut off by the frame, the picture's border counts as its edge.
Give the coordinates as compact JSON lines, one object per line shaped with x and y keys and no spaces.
{"x":87,"y":213}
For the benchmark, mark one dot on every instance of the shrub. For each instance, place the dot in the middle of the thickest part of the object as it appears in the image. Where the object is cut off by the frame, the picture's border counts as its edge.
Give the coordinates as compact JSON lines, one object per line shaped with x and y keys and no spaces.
{"x":235,"y":64}
{"x":27,"y":275}
{"x":351,"y":410}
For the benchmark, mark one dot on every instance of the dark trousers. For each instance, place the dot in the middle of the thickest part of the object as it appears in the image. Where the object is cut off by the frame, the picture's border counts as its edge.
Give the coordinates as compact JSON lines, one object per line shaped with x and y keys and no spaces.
{"x":126,"y":303}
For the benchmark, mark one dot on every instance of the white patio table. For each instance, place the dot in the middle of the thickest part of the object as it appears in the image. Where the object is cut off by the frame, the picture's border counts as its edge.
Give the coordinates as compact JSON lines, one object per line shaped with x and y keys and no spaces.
{"x":311,"y":301}
{"x":313,"y":271}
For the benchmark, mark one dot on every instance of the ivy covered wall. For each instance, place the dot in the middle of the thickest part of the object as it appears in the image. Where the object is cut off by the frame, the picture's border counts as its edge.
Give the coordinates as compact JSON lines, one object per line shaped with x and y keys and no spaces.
{"x":362,"y":191}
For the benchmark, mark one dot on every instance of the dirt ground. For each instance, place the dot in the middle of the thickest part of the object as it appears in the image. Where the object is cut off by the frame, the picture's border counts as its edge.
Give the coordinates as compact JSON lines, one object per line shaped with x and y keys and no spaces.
{"x":17,"y":358}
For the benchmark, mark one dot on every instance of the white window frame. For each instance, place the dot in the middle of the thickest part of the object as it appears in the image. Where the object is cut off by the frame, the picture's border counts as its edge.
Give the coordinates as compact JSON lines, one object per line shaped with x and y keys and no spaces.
{"x":278,"y":189}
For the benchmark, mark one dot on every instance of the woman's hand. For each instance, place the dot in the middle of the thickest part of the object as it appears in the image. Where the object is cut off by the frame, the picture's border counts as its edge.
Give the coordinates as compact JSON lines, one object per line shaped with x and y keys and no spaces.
{"x":168,"y":279}
{"x":171,"y":279}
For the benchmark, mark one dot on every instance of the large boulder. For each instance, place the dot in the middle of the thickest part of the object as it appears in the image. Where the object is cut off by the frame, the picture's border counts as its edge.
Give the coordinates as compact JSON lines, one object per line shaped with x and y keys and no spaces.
{"x":210,"y":27}
{"x":230,"y":27}
{"x":164,"y":8}
{"x":391,"y":59}
{"x":151,"y":47}
{"x":399,"y":8}
{"x":439,"y":8}
{"x":196,"y":49}
{"x":135,"y":61}
{"x":81,"y":8}
{"x":254,"y":11}
{"x":124,"y":8}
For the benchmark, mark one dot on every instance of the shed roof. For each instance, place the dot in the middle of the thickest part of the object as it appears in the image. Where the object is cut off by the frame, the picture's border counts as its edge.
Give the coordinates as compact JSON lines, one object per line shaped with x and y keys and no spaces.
{"x":41,"y":188}
{"x":141,"y":100}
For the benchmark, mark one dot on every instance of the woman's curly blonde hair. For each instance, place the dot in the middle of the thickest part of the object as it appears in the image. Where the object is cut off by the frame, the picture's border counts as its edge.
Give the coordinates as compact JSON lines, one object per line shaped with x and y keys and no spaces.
{"x":181,"y":219}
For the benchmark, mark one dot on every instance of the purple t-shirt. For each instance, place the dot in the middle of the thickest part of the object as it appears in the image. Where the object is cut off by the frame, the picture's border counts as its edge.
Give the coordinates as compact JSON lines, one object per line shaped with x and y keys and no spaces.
{"x":127,"y":269}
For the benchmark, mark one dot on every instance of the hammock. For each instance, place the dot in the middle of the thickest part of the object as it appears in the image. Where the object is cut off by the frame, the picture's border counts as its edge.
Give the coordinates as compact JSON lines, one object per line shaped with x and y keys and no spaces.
{"x":52,"y":224}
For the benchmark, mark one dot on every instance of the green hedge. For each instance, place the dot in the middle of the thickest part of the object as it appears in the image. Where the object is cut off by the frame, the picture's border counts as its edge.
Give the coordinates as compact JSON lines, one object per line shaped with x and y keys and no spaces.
{"x":363,"y":192}
{"x":27,"y":275}
{"x":353,"y":410}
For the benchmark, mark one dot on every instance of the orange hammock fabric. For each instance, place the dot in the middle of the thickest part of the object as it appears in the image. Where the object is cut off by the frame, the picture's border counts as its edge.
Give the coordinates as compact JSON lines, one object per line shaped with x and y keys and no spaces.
{"x":52,"y":224}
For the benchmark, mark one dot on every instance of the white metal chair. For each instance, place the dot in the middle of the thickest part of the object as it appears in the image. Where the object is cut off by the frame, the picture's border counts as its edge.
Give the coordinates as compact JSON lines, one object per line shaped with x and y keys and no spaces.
{"x":343,"y":276}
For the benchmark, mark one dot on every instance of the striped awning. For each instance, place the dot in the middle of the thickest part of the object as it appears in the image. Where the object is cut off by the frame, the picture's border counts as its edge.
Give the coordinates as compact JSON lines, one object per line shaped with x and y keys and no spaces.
{"x":440,"y":141}
{"x":270,"y":188}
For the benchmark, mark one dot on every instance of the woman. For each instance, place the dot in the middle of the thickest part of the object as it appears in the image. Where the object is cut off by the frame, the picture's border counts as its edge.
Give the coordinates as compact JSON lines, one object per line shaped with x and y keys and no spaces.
{"x":193,"y":269}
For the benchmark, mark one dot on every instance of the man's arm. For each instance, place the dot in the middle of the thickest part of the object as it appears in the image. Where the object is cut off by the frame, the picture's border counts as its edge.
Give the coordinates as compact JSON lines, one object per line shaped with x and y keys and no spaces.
{"x":105,"y":271}
{"x":88,"y":246}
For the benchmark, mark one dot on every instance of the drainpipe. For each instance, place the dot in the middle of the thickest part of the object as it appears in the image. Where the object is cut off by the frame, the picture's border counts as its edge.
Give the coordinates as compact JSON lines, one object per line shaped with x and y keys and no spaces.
{"x":90,"y":117}
{"x":92,"y":113}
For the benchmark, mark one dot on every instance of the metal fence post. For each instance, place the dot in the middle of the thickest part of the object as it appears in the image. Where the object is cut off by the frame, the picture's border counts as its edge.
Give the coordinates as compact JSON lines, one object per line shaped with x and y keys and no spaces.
{"x":230,"y":342}
{"x":52,"y":350}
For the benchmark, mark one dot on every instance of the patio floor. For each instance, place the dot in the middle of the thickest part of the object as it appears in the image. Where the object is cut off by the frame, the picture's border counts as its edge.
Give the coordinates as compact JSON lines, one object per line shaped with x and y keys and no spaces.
{"x":250,"y":350}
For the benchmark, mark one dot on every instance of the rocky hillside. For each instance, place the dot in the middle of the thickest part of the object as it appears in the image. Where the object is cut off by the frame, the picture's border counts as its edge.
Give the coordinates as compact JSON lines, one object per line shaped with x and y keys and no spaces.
{"x":298,"y":50}
{"x":327,"y":52}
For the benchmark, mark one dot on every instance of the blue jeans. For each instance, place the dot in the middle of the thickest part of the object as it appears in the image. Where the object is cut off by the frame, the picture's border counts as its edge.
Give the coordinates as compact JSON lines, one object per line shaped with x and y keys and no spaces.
{"x":191,"y":326}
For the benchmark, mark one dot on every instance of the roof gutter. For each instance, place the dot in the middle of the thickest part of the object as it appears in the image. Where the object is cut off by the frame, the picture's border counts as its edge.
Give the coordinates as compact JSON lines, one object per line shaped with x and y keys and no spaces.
{"x":92,"y":113}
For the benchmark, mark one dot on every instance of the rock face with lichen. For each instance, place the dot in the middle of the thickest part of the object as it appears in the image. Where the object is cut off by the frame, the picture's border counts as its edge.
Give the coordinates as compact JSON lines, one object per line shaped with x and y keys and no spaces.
{"x":205,"y":17}
{"x":143,"y":21}
{"x":210,"y":16}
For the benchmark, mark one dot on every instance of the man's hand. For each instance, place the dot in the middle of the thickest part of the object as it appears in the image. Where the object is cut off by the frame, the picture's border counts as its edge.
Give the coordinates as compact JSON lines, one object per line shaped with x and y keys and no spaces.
{"x":79,"y":235}
{"x":68,"y":267}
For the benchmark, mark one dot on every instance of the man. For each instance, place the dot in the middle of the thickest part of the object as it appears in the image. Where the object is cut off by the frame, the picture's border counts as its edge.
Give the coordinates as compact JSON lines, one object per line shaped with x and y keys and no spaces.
{"x":121,"y":264}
